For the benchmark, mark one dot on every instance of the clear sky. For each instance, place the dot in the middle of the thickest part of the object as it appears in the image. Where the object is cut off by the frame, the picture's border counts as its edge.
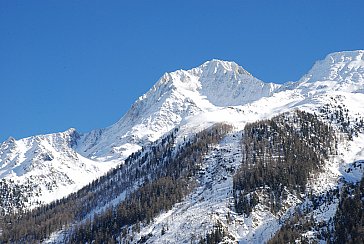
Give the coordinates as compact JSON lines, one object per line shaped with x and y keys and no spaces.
{"x":82,"y":63}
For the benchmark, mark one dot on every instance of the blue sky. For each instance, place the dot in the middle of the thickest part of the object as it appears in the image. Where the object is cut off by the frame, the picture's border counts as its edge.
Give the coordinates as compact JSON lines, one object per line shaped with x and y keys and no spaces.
{"x":83,"y":63}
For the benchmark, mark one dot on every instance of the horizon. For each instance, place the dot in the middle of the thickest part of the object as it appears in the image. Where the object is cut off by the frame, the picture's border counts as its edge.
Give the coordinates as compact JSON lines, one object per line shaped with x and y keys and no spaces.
{"x":82,"y":65}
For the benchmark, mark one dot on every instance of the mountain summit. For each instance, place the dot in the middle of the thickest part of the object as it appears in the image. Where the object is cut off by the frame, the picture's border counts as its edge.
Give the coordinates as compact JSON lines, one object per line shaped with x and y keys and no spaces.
{"x":176,"y":96}
{"x":340,"y":71}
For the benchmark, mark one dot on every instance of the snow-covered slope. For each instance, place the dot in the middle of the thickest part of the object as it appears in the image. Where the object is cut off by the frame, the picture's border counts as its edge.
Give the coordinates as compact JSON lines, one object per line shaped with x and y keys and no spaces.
{"x":332,"y":87}
{"x":46,"y":167}
{"x":173,"y":98}
{"x":341,"y":71}
{"x":52,"y":164}
{"x":216,"y":91}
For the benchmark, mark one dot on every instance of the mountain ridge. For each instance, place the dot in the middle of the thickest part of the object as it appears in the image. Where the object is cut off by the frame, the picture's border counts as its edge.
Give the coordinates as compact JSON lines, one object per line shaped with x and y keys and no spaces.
{"x":185,"y":98}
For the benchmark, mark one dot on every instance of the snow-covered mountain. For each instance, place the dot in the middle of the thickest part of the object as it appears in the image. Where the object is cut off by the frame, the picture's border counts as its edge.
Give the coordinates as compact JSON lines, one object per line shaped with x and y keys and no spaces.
{"x":53,"y":163}
{"x":333,"y":89}
{"x":342,"y":71}
{"x":45,"y":168}
{"x":173,"y":98}
{"x":48,"y":167}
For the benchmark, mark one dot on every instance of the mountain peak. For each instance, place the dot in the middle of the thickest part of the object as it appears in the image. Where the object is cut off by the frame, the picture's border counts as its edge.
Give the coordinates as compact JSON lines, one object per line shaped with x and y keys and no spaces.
{"x":215,"y":65}
{"x":339,"y":66}
{"x":207,"y":78}
{"x":339,"y":71}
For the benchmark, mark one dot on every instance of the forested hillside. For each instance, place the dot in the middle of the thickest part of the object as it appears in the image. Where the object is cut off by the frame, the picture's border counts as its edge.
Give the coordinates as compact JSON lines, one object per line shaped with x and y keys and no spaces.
{"x":150,"y":181}
{"x":280,"y":156}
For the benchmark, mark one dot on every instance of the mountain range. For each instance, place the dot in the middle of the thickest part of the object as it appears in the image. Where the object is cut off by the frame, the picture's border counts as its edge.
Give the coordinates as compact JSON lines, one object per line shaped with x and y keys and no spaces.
{"x":183,"y":105}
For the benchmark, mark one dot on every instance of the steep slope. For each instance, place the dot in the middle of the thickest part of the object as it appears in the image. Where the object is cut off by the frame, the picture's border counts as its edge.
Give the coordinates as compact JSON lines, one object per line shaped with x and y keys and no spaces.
{"x":175,"y":96}
{"x":341,"y":71}
{"x":43,"y":168}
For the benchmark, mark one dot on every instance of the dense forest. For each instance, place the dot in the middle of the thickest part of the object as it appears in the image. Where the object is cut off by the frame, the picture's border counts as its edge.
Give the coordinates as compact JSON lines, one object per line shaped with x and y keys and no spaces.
{"x":153,"y":180}
{"x":280,"y":155}
{"x":349,"y":218}
{"x":347,"y":226}
{"x":12,"y":196}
